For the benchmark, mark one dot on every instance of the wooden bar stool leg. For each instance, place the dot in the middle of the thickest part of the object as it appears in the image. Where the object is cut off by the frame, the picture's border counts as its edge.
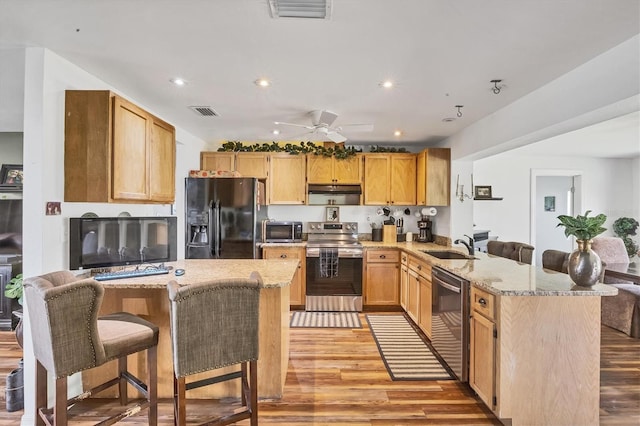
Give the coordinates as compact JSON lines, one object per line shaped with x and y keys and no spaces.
{"x":41,"y":391}
{"x":180,"y":409}
{"x":243,"y":383}
{"x":152,"y":384}
{"x":60,"y":409}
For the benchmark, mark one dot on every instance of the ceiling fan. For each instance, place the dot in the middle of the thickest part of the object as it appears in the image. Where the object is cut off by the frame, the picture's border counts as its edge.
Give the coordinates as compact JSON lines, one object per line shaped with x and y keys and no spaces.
{"x":321,"y":123}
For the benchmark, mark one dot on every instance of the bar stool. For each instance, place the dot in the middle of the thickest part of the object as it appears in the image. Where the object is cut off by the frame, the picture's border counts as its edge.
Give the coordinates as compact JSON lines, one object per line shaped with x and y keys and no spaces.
{"x":214,"y":324}
{"x":68,"y":337}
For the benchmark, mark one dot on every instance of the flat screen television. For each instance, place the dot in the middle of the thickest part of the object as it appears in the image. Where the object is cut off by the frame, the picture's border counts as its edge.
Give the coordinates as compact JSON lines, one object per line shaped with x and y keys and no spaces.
{"x":111,"y":241}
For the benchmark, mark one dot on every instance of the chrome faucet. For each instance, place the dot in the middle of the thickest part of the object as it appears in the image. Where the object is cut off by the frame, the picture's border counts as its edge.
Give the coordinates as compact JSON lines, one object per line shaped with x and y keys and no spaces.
{"x":469,"y":245}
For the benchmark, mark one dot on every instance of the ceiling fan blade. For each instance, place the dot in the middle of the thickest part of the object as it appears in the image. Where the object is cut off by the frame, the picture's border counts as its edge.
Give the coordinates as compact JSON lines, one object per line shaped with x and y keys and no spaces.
{"x":356,"y":127}
{"x":323,"y":117}
{"x":294,"y":124}
{"x":336,"y":137}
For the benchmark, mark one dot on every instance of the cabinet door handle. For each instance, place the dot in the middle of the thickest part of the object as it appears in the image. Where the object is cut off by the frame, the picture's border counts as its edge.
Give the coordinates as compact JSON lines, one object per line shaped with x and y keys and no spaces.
{"x":419,"y":267}
{"x":283,"y":256}
{"x":382,"y":256}
{"x":482,"y":301}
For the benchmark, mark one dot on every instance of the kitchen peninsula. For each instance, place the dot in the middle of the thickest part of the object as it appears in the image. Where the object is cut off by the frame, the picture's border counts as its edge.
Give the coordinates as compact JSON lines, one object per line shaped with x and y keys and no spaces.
{"x":535,"y":337}
{"x":147,"y":297}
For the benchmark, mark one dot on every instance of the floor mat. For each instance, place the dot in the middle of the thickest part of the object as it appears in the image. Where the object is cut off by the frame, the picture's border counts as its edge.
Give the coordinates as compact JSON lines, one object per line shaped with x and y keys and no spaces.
{"x":325,"y":319}
{"x":405,"y":354}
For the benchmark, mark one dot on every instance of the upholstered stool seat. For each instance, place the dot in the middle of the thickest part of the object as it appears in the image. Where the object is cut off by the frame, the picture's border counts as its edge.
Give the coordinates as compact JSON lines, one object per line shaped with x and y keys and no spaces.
{"x":214,"y":324}
{"x":68,"y":337}
{"x":520,"y":252}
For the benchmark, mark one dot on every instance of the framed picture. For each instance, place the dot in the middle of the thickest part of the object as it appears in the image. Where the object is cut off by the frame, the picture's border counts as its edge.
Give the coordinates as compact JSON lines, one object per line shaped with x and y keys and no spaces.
{"x":482,"y":192}
{"x":550,"y":203}
{"x":333,"y":214}
{"x":11,"y":174}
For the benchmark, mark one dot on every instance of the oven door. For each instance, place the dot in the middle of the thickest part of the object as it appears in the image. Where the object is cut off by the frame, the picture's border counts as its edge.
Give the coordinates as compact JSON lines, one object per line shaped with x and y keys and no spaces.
{"x":333,"y":283}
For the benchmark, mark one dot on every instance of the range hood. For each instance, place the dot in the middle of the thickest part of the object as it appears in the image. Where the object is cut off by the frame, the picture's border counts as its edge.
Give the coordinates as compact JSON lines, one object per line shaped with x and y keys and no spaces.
{"x":335,"y":189}
{"x":324,"y":195}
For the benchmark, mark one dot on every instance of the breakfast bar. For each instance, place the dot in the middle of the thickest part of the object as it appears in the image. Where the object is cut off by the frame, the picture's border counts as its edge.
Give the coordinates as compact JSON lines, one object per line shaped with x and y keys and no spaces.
{"x":147,"y":297}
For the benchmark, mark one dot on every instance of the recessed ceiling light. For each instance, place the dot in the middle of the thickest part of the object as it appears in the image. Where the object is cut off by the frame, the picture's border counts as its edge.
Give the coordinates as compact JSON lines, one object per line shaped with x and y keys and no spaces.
{"x":178,"y":81}
{"x":397,"y":133}
{"x":262,"y":82}
{"x":387,"y":84}
{"x":276,"y":132}
{"x":448,"y":119}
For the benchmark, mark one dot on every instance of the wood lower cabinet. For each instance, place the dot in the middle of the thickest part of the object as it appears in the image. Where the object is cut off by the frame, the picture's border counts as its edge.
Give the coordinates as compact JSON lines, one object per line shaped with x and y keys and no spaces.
{"x":419,"y":294}
{"x":287,"y":179}
{"x":404,"y":280}
{"x":390,"y":179}
{"x":382,"y":273}
{"x":115,"y":151}
{"x":482,"y":356}
{"x":425,"y":307}
{"x":433,"y":177}
{"x":298,"y":285}
{"x":529,"y":352}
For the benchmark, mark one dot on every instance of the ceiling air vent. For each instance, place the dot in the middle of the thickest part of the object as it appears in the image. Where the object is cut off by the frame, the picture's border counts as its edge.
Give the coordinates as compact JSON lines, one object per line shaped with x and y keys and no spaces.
{"x":204,"y":111}
{"x":317,"y":9}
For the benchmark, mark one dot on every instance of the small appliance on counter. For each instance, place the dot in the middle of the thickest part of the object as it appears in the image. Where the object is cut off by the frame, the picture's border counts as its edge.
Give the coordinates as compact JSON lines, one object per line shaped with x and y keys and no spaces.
{"x":425,"y":232}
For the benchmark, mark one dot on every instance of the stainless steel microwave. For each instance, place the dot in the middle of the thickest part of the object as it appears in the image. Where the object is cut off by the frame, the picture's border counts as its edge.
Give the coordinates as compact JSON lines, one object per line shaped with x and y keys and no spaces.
{"x":281,"y":232}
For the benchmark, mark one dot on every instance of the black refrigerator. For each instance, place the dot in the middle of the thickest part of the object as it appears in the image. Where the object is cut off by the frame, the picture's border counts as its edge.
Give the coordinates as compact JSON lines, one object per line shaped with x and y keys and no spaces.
{"x":224,"y":218}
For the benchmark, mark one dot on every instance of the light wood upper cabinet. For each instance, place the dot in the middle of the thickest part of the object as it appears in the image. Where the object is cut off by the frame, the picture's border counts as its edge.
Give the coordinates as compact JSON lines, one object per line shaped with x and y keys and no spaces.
{"x":390,"y":179}
{"x":248,"y":164}
{"x":115,"y":151}
{"x":434,"y":177}
{"x":218,"y":161}
{"x":253,"y":164}
{"x":402,"y":179}
{"x":329,"y":170}
{"x":162,"y":162}
{"x":376,"y":179}
{"x":287,"y":179}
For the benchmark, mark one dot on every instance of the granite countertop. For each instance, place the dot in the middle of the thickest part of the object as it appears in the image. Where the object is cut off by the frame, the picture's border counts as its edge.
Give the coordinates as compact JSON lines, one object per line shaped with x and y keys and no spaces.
{"x":501,"y":276}
{"x":274,"y":272}
{"x":494,"y":274}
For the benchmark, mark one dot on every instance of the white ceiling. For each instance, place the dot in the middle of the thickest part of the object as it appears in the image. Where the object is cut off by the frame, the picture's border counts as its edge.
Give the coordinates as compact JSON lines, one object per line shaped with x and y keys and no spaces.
{"x":439,"y":54}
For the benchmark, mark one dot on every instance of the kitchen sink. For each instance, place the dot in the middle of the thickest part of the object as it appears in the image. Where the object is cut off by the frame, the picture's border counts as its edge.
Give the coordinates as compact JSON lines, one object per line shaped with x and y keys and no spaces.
{"x":447,"y":254}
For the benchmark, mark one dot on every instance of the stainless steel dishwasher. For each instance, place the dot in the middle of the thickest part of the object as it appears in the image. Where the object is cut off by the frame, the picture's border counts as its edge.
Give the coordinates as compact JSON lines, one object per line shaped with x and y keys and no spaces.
{"x":450,"y":320}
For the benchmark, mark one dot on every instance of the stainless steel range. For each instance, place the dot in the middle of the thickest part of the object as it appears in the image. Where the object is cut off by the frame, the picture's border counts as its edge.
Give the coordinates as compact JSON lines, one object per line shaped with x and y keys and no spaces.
{"x":334,"y":267}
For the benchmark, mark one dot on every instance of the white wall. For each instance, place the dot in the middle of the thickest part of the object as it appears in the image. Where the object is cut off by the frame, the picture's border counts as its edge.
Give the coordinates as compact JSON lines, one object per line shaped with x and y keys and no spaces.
{"x":11,"y":90}
{"x":547,"y":234}
{"x":606,"y":184}
{"x":45,"y":238}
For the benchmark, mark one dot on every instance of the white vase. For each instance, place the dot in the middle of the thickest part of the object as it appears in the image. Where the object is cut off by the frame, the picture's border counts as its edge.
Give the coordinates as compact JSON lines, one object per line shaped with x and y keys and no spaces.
{"x":585,"y":266}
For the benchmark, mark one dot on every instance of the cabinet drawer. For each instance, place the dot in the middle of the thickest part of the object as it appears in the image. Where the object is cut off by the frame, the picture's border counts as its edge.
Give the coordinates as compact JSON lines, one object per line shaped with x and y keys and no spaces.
{"x":282,"y":253}
{"x":483,"y":302}
{"x":421,"y":268}
{"x":383,"y":256}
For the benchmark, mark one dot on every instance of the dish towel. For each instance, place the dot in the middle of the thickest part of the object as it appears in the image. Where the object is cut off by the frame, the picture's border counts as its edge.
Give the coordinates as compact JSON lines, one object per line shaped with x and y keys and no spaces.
{"x":328,"y":263}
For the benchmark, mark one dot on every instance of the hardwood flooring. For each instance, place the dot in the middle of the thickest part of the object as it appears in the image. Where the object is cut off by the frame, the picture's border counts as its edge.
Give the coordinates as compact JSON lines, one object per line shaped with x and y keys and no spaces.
{"x":336,"y":377}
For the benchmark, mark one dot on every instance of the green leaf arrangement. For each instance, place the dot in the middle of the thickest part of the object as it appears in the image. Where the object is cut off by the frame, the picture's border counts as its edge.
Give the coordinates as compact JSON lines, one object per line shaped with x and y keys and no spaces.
{"x":583,"y":227}
{"x":14,"y":288}
{"x":293,"y":149}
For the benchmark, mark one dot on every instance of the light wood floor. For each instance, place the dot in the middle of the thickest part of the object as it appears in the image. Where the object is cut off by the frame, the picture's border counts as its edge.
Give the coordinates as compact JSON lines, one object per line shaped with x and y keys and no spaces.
{"x":337,"y":377}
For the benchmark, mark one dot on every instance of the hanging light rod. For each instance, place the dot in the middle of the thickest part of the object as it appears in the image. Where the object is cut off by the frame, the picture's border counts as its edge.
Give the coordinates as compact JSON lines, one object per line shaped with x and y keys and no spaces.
{"x":459,"y":110}
{"x":496,"y":89}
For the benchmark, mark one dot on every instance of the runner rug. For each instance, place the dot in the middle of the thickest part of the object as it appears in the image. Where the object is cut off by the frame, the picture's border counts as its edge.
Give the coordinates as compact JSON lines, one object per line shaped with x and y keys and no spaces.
{"x":325,"y":319}
{"x":405,"y":354}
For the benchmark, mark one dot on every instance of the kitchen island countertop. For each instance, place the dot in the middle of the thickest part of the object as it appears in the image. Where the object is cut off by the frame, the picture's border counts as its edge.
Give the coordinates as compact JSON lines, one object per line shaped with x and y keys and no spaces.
{"x":501,"y":276}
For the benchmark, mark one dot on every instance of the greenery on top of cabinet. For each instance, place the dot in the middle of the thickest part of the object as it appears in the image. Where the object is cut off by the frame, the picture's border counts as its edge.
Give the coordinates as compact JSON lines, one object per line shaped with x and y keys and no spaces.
{"x":334,"y":150}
